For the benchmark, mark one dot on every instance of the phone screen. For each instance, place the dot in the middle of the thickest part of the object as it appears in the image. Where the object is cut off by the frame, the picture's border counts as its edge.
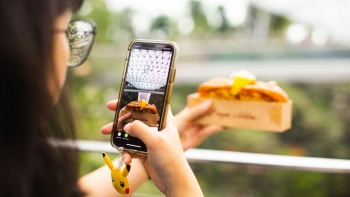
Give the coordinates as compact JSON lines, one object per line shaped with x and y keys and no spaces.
{"x":144,"y":91}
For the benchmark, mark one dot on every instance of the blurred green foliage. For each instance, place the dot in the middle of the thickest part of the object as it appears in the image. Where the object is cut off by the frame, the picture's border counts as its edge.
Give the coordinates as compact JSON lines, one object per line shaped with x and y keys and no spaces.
{"x":320,"y":114}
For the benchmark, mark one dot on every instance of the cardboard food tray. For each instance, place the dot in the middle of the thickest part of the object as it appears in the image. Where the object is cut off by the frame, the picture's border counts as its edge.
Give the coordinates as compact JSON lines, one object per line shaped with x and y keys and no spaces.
{"x":265,"y":116}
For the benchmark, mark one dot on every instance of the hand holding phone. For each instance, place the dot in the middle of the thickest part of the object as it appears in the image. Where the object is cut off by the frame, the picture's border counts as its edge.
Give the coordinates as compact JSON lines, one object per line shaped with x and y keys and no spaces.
{"x":145,"y":90}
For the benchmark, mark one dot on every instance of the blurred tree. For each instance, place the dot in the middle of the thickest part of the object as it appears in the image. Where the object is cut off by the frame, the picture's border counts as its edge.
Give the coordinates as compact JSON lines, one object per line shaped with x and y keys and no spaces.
{"x":225,"y":25}
{"x":201,"y":26}
{"x":163,"y":25}
{"x":124,"y":25}
{"x":279,"y":24}
{"x":98,"y":14}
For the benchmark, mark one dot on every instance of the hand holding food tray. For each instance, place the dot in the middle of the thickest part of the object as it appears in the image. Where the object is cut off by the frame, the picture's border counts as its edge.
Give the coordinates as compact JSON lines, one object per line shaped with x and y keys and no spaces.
{"x":241,"y":101}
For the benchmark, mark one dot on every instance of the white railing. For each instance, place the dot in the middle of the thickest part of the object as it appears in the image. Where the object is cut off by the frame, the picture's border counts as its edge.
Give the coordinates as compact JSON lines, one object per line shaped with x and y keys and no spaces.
{"x":241,"y":158}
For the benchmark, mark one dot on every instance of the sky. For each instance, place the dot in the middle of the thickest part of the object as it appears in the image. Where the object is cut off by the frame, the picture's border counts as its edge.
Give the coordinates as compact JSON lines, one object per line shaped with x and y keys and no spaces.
{"x":146,"y":10}
{"x":331,"y":16}
{"x":327,"y":18}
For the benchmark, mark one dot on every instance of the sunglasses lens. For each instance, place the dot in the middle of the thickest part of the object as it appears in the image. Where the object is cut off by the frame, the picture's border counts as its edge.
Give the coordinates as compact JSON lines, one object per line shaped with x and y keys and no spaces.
{"x":80,"y":37}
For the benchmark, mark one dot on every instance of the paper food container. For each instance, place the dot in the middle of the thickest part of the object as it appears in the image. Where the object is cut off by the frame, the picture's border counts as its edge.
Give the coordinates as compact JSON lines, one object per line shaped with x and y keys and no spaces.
{"x":265,"y":116}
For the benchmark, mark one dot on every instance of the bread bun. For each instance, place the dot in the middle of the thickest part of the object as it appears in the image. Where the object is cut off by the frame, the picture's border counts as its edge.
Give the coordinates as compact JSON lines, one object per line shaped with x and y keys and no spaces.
{"x":242,"y":87}
{"x":138,"y":110}
{"x":263,"y":91}
{"x":218,"y":87}
{"x":136,"y":107}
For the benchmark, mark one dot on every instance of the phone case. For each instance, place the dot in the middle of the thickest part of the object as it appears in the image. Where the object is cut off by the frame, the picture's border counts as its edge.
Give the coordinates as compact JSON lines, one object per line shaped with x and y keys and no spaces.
{"x":167,"y":93}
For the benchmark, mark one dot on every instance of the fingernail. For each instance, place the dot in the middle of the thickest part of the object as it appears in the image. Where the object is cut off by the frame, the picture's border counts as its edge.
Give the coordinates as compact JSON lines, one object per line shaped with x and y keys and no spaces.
{"x":127,"y":127}
{"x":103,"y":129}
{"x":124,"y":159}
{"x":109,"y":102}
{"x":206,"y":103}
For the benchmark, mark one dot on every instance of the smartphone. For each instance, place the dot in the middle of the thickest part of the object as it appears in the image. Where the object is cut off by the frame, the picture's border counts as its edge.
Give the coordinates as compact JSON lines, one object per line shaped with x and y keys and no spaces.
{"x":145,"y":91}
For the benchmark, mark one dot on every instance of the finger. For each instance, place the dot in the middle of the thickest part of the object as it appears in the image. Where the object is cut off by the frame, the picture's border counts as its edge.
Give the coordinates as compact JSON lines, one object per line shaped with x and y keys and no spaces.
{"x":127,"y":158}
{"x":197,"y":111}
{"x":171,"y":122}
{"x":112,"y":105}
{"x":146,"y":134}
{"x":125,"y":116}
{"x":191,"y":138}
{"x":107,"y":129}
{"x":210,"y":130}
{"x":142,"y":131}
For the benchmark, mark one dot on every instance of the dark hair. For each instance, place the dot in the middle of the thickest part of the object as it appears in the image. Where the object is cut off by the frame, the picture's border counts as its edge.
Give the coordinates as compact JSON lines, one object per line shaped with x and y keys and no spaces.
{"x":30,"y":165}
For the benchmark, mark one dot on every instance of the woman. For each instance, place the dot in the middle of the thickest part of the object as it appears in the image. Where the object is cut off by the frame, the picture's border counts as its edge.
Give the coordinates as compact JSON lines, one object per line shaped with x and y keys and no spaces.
{"x":34,"y":112}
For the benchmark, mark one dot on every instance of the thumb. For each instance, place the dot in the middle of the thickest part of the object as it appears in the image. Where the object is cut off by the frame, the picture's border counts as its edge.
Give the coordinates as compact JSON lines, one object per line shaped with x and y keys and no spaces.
{"x":141,"y":130}
{"x":193,"y":113}
{"x":148,"y":134}
{"x":170,"y":123}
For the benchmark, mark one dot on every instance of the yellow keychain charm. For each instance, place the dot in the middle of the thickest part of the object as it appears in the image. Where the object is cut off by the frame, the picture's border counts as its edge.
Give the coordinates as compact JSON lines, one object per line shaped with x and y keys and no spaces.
{"x":119,"y":180}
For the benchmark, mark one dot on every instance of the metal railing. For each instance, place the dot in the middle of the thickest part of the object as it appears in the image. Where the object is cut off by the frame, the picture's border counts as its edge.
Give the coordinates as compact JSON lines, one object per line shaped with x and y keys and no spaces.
{"x":242,"y":158}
